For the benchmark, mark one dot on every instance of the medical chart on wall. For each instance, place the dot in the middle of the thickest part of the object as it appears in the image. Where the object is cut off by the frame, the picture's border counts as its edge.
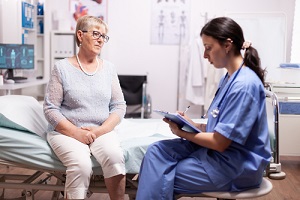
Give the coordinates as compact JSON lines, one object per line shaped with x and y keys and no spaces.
{"x":170,"y":20}
{"x":79,"y":8}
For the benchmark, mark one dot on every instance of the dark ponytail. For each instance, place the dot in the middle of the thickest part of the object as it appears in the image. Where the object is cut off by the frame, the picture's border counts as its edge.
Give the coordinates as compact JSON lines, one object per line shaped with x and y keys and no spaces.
{"x":222,"y":28}
{"x":252,"y":60}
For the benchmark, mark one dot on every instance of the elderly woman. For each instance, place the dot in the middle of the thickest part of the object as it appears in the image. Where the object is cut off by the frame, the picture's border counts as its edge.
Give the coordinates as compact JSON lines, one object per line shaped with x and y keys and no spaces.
{"x":83,"y":104}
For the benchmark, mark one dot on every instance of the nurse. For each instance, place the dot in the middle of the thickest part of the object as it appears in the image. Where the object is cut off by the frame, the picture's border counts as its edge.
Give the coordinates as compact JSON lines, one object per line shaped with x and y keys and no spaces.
{"x":233,"y":149}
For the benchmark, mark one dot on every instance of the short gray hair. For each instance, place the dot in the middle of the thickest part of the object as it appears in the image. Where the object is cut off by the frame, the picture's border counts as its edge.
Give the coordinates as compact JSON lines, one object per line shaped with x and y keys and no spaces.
{"x":87,"y":21}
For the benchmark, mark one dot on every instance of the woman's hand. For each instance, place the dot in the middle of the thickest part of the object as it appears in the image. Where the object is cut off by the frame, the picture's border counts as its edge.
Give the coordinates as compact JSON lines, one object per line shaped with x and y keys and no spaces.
{"x":86,"y":135}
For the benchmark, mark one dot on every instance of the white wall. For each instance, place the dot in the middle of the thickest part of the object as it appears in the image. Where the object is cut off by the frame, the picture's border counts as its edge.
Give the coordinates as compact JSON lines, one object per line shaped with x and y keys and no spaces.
{"x":10,"y":18}
{"x":130,"y":50}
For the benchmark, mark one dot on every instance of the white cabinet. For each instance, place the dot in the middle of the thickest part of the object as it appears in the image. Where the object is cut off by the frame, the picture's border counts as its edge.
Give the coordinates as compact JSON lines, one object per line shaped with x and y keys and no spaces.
{"x":289,"y":118}
{"x":289,"y":135}
{"x":62,"y":45}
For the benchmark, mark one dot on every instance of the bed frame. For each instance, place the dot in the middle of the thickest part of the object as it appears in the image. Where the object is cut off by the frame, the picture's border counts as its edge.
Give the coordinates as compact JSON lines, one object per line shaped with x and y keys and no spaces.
{"x":41,"y":180}
{"x":45,"y":180}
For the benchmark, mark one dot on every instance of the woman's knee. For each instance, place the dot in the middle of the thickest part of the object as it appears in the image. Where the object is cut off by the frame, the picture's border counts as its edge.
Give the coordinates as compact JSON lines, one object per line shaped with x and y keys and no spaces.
{"x":81,"y":167}
{"x":111,"y":156}
{"x":107,"y":150}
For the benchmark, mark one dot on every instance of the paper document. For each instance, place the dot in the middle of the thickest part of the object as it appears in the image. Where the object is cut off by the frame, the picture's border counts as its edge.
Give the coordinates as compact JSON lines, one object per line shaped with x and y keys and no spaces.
{"x":179,"y":120}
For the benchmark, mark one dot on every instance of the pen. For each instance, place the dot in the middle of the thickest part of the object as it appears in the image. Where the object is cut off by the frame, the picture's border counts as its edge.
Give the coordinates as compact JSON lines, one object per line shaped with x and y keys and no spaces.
{"x":187,"y":108}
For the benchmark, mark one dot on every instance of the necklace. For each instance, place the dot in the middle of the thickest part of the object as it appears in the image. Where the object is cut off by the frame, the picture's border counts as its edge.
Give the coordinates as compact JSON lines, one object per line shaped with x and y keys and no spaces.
{"x":89,"y":74}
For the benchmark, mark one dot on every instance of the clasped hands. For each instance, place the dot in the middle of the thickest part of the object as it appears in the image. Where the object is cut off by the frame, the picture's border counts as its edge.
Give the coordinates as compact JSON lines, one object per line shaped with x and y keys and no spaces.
{"x":88,"y":136}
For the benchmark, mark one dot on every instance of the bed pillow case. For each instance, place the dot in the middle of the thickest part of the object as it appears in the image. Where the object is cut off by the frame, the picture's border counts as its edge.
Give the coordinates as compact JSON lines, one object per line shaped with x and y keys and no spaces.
{"x":22,"y":113}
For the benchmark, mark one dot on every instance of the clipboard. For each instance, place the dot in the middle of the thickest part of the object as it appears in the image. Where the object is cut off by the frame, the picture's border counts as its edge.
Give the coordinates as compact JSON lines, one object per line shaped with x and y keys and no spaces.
{"x":179,"y":120}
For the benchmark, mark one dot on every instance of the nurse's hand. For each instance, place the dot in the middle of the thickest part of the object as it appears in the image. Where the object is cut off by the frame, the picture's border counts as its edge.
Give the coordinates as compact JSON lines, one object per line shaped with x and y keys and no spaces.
{"x":189,"y":120}
{"x":175,"y":128}
{"x":202,"y":127}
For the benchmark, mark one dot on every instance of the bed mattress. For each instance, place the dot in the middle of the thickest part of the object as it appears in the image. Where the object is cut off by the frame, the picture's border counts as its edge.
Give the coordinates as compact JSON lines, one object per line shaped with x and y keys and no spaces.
{"x":32,"y":151}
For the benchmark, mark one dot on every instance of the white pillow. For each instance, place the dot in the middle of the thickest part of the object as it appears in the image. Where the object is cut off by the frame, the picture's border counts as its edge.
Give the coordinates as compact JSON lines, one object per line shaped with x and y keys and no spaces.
{"x":23,"y":113}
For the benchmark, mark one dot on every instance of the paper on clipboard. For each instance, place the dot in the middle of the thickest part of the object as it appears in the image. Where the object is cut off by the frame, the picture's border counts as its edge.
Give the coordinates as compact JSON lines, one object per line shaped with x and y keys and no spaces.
{"x":179,"y":120}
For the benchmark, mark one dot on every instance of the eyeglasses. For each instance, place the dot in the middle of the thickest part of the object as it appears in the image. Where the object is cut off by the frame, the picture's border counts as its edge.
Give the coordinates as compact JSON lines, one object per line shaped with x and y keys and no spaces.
{"x":97,"y":35}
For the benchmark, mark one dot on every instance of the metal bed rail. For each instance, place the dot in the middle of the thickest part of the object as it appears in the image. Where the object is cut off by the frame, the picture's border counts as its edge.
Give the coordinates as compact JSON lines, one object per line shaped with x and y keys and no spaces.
{"x":274,"y":170}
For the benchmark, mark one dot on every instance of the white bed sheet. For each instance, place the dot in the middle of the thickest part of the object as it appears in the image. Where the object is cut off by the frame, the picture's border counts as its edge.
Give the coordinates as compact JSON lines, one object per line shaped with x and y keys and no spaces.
{"x":29,"y":149}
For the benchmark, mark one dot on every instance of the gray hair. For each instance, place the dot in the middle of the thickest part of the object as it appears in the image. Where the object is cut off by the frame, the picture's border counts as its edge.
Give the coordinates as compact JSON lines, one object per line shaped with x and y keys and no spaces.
{"x":85,"y":22}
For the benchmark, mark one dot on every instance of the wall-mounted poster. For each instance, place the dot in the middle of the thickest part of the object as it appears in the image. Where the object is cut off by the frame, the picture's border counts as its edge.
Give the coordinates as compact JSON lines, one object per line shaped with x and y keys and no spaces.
{"x":170,"y":21}
{"x":27,"y":15}
{"x":79,"y":8}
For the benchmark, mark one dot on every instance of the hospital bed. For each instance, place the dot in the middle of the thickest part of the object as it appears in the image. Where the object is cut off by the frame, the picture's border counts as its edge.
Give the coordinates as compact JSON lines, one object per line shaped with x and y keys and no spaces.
{"x":23,"y":144}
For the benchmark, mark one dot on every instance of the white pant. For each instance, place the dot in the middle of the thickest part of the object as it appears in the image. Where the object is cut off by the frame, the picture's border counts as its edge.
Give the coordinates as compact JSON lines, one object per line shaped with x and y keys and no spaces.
{"x":76,"y":156}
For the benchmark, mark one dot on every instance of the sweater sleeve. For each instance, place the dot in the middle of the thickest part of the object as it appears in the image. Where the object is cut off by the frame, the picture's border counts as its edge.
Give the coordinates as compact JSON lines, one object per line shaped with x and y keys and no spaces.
{"x":117,"y":104}
{"x":54,"y":98}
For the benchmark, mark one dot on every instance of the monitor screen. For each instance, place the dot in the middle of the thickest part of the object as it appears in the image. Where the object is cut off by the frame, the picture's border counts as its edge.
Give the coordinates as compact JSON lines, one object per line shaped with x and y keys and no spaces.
{"x":16,"y":56}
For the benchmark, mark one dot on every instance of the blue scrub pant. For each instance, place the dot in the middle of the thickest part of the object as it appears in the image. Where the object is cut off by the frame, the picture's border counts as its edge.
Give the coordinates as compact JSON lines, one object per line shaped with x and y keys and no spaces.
{"x":172,"y":167}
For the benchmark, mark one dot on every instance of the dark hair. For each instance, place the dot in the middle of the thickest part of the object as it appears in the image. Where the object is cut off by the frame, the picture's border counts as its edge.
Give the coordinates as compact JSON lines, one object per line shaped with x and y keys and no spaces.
{"x":221,"y":29}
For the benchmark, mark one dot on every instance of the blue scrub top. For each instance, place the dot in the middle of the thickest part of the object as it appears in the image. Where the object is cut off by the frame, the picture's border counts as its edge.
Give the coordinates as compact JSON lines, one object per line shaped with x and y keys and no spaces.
{"x":242,"y":118}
